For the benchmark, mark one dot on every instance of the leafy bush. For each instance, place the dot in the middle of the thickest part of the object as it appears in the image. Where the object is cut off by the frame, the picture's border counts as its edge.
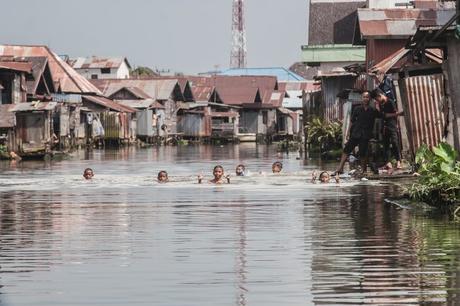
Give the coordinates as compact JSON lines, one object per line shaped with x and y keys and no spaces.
{"x":439,"y":181}
{"x":324,"y":134}
{"x":3,"y":149}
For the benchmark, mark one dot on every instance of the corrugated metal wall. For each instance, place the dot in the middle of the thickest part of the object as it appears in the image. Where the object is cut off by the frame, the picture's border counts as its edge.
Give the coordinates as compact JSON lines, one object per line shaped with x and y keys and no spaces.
{"x":425,"y":109}
{"x":116,"y":125}
{"x":144,"y":122}
{"x":332,"y":86}
{"x":192,"y":125}
{"x":379,"y":49}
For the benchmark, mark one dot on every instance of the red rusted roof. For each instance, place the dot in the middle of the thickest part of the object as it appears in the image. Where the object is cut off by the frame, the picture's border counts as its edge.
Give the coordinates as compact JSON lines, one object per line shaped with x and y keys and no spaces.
{"x":65,"y":76}
{"x":400,"y":58}
{"x":237,"y":90}
{"x":398,"y":22}
{"x":16,"y":64}
{"x":152,"y":88}
{"x":110,"y":104}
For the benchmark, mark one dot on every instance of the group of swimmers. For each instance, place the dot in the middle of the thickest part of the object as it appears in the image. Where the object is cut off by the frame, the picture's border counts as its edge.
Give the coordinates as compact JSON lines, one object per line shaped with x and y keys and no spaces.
{"x":221,"y":178}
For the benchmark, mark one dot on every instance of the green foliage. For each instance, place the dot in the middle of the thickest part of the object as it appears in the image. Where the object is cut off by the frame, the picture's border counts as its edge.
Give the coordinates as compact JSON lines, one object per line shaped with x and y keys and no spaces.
{"x":324,"y":134}
{"x":439,"y":181}
{"x":3,"y":149}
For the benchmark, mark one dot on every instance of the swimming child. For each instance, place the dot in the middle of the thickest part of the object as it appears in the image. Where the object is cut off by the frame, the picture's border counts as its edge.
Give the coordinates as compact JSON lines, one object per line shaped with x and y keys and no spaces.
{"x":163,"y":176}
{"x":324,"y":177}
{"x":277,"y":167}
{"x":219,"y":177}
{"x":88,"y":173}
{"x":240,"y":170}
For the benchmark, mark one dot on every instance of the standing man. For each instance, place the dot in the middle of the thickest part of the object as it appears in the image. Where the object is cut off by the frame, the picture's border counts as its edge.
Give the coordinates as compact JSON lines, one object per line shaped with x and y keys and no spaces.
{"x":362,"y":126}
{"x":390,"y":128}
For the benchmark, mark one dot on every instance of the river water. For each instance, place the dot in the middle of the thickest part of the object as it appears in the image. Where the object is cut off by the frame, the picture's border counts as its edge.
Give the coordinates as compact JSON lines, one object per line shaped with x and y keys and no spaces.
{"x":122,"y":239}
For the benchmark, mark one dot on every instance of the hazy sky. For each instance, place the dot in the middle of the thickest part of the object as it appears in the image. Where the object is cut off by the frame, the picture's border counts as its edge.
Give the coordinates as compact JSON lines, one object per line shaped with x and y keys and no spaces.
{"x":182,"y":35}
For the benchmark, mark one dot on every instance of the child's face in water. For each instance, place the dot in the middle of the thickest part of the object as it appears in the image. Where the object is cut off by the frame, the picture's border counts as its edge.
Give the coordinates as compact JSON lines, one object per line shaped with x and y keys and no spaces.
{"x":239,"y":171}
{"x":276,"y":168}
{"x":162,"y":177}
{"x":88,"y":174}
{"x":218,"y":173}
{"x":324,"y":178}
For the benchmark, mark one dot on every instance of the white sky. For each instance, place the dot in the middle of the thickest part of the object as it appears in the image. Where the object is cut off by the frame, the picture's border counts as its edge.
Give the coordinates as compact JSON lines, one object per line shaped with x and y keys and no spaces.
{"x":182,"y":35}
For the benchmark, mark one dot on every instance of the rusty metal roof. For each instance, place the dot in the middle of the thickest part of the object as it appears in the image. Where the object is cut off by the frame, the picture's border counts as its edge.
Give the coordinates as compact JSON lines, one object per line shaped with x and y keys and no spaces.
{"x":97,"y":62}
{"x":398,"y":22}
{"x":33,"y":106}
{"x":135,"y":91}
{"x":243,"y":89}
{"x":107,"y":103}
{"x":15,"y":64}
{"x":202,"y":93}
{"x":7,"y":118}
{"x":152,"y":88}
{"x":65,"y":76}
{"x":401,"y":58}
{"x":141,"y":104}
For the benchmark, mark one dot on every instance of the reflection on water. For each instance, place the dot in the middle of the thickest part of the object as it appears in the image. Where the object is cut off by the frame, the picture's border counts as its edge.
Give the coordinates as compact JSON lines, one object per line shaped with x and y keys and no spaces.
{"x":121,"y":239}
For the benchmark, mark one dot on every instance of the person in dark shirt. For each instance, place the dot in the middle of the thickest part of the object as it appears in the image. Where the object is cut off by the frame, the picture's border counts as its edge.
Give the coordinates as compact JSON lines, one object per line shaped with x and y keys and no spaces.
{"x":362,"y":125}
{"x":390,"y":115}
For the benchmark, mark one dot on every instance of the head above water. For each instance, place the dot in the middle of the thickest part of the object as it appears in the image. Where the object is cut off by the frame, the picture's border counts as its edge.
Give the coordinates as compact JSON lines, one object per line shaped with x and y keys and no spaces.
{"x":162,"y":176}
{"x":240,"y":170}
{"x":88,"y":173}
{"x":277,"y":167}
{"x":324,"y":177}
{"x":218,"y":172}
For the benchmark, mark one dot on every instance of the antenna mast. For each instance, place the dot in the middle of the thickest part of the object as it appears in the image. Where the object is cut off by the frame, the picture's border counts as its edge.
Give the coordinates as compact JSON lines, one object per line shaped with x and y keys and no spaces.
{"x":238,"y":55}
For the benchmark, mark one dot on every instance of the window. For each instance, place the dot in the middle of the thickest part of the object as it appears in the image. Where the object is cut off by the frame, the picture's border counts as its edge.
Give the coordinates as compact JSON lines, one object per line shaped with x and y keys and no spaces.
{"x":94,"y":76}
{"x":105,"y":70}
{"x":264,"y":117}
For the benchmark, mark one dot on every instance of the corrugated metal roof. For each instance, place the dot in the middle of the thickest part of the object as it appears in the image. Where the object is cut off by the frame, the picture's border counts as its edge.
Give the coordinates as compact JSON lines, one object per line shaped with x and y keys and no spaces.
{"x":68,"y":79}
{"x":202,"y":93}
{"x":97,"y":62}
{"x":399,"y":23}
{"x":244,"y":89}
{"x":7,"y":118}
{"x":141,"y":104}
{"x":389,"y":62}
{"x":153,"y":88}
{"x":107,"y":103}
{"x":308,"y":86}
{"x":33,"y":106}
{"x":282,"y":74}
{"x":400,"y":58}
{"x":137,"y":92}
{"x":15,"y":65}
{"x":38,"y":68}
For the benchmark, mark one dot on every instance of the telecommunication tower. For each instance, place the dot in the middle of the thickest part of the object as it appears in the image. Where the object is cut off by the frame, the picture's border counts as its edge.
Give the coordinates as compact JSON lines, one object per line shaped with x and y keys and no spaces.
{"x":238,"y":55}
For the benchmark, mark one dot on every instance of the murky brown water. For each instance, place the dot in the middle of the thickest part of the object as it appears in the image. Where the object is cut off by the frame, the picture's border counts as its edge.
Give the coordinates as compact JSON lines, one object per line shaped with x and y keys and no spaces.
{"x":122,"y":239}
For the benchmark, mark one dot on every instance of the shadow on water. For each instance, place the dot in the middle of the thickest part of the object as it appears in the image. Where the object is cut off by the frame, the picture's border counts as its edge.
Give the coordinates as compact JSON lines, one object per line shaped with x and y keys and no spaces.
{"x":264,"y":240}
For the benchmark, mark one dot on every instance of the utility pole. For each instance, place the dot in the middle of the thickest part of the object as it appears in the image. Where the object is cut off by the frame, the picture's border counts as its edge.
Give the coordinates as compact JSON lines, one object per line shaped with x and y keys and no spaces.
{"x":238,"y":54}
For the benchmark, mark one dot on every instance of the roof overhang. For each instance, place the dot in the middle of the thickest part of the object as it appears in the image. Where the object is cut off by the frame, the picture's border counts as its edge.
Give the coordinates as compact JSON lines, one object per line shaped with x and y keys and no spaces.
{"x":333,"y":53}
